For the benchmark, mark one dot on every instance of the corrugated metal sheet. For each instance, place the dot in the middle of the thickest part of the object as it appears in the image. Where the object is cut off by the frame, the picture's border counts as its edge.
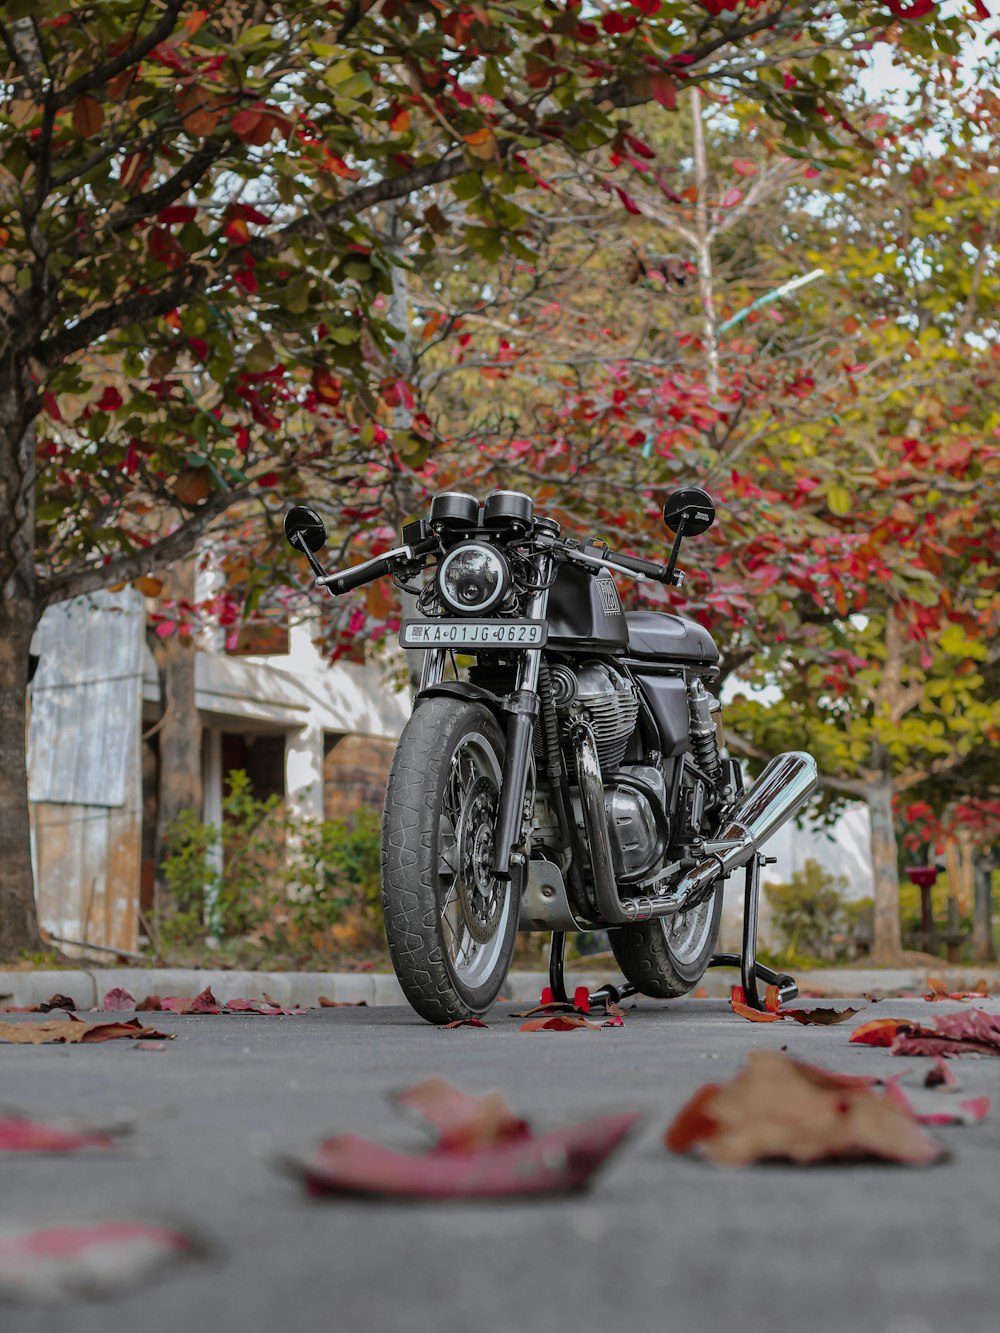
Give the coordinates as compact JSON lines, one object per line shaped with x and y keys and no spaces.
{"x":85,"y":700}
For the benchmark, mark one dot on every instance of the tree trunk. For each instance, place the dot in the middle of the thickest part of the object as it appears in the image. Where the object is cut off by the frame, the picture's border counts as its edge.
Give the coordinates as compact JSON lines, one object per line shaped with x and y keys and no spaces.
{"x":982,"y":913}
{"x":887,"y":945}
{"x":180,"y":786}
{"x":18,"y":919}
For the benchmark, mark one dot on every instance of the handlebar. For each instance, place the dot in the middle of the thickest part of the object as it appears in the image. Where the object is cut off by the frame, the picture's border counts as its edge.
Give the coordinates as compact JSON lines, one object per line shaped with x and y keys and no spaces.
{"x":346,"y":580}
{"x":621,"y":564}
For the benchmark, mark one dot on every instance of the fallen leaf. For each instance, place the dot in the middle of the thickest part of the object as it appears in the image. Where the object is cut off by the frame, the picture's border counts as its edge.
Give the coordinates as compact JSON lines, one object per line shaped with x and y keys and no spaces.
{"x":150,"y":1046}
{"x":152,"y":1004}
{"x":75,"y":1031}
{"x":118,"y":999}
{"x":20,"y":1134}
{"x":821,"y":1015}
{"x":934,"y":1111}
{"x":465,"y":1023}
{"x":973,"y":1032}
{"x":780,"y":1108}
{"x":700,"y":993}
{"x":326,"y":1003}
{"x":556,"y":1163}
{"x":464,"y":1123}
{"x":879,"y":1032}
{"x":254,"y":1007}
{"x":65,"y":1262}
{"x":941,"y":1076}
{"x":204,"y":1003}
{"x":569,"y":1023}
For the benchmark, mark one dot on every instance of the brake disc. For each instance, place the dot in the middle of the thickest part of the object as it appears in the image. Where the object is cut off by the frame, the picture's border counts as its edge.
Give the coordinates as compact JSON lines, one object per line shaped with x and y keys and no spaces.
{"x":479,"y":891}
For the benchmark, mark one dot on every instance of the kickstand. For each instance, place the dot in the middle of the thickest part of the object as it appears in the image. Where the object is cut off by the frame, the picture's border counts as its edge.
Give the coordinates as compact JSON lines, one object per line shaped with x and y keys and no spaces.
{"x":751,"y":971}
{"x":557,"y":967}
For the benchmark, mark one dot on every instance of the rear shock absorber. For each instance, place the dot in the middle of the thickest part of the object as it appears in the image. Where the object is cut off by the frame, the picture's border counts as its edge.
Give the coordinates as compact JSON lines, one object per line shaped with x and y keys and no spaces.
{"x":704,"y":739}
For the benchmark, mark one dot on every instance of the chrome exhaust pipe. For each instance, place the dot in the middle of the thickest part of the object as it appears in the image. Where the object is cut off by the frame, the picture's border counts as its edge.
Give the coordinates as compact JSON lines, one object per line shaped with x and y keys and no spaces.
{"x":776,"y":797}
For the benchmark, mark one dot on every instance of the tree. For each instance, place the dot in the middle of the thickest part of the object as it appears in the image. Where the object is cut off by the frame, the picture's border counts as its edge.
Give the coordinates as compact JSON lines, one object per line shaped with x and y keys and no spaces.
{"x":191,"y":267}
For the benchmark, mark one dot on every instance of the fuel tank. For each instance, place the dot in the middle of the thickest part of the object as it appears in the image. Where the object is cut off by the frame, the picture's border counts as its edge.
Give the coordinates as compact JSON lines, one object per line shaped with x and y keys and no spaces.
{"x":585,"y":612}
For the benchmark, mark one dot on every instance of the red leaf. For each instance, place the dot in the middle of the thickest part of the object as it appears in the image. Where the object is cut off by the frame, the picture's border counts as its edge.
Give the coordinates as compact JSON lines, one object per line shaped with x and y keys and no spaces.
{"x":555,"y":1163}
{"x":175,"y":213}
{"x":19,"y":1134}
{"x":118,"y":999}
{"x":664,"y":90}
{"x":940,"y":1076}
{"x":732,"y":197}
{"x":916,"y":9}
{"x":110,"y":400}
{"x":743,"y":167}
{"x":779,"y":1108}
{"x":628,"y":201}
{"x":569,"y":1023}
{"x":464,"y":1123}
{"x":61,"y":1263}
{"x":879,"y":1032}
{"x":981,"y":11}
{"x":205,"y":1003}
{"x":465,"y":1023}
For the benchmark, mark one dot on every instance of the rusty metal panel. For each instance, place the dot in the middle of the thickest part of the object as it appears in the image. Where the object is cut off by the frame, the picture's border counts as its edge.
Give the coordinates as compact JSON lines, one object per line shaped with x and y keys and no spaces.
{"x":85,"y":700}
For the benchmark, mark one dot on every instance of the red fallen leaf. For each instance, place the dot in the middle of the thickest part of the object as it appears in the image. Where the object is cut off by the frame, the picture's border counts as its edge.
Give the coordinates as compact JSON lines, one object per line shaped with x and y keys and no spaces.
{"x":772,"y":1011}
{"x":204,"y":1003}
{"x":754,"y":1015}
{"x":151,"y":1004}
{"x":880,"y":1031}
{"x":940,"y":1076}
{"x":973,"y":1032}
{"x":19,"y":1134}
{"x":779,"y":1108}
{"x":256,"y":1007}
{"x":464,"y":1123}
{"x":118,"y":999}
{"x":569,"y":1023}
{"x":46,"y":1007}
{"x":968,"y":1112}
{"x":556,"y":1163}
{"x":51,"y":1264}
{"x":700,"y":993}
{"x":465,"y":1023}
{"x":326,"y":1003}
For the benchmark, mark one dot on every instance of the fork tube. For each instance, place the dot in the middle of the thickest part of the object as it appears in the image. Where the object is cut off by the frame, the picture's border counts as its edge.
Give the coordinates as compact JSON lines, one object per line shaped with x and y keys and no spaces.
{"x":522,"y":705}
{"x":432,"y":670}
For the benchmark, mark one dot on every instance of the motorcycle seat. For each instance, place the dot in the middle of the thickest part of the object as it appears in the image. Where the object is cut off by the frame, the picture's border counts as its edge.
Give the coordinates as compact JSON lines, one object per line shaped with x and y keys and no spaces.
{"x":660,"y":635}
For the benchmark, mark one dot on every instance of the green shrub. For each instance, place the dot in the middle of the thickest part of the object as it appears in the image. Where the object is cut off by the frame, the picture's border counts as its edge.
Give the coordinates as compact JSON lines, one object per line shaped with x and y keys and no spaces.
{"x":266,"y":880}
{"x":813,"y":921}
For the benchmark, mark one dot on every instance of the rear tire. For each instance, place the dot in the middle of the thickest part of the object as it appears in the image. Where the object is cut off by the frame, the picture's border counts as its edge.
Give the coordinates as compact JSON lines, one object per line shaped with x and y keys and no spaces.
{"x":451,"y":927}
{"x":667,"y":957}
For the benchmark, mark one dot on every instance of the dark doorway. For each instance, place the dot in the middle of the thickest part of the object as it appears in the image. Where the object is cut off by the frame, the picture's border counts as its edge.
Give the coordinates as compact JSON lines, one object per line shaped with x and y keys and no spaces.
{"x":261,"y":757}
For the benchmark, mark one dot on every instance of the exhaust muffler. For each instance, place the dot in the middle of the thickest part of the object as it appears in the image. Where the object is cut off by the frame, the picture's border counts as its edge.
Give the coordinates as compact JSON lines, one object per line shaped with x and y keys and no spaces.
{"x":776,"y":797}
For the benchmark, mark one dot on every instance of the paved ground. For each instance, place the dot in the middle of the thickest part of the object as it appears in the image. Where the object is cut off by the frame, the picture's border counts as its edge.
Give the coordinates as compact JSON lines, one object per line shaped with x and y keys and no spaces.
{"x":661,"y":1242}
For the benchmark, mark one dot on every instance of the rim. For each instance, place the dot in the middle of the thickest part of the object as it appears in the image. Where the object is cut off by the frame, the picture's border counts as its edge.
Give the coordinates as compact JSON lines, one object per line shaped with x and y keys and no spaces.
{"x":687,"y":933}
{"x":475,"y":907}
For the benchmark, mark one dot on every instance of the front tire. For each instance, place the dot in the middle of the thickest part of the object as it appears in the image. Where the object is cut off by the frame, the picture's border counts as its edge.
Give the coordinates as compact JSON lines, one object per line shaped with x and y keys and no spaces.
{"x":667,"y":957}
{"x":451,"y":926}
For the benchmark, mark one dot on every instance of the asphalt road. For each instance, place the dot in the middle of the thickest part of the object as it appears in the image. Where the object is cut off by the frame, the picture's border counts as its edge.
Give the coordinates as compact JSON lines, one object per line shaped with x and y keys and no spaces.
{"x":659,"y":1243}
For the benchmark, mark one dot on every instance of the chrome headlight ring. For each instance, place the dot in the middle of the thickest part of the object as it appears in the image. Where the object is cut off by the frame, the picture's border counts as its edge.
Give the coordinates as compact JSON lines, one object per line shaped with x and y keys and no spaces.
{"x":473,"y":578}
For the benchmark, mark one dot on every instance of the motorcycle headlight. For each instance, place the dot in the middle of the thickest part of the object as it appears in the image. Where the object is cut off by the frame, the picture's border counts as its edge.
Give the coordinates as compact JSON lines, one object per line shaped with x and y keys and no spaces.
{"x":473,"y":578}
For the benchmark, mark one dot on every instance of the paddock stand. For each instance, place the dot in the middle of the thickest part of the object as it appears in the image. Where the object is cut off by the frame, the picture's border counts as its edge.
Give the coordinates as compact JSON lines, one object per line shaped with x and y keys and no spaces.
{"x":751,"y":971}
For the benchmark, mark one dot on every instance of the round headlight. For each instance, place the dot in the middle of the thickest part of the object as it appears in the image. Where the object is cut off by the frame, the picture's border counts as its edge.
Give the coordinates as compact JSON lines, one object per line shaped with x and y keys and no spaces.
{"x":473,"y":578}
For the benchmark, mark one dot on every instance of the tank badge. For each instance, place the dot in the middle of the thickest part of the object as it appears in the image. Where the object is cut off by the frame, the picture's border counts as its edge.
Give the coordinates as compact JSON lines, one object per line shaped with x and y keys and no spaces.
{"x":609,"y":597}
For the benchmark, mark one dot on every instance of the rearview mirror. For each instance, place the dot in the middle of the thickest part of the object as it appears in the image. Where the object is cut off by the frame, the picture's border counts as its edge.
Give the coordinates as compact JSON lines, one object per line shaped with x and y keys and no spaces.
{"x":304,"y":529}
{"x":689,"y":511}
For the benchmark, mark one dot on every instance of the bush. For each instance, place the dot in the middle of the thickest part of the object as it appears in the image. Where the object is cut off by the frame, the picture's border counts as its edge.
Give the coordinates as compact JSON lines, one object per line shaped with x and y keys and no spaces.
{"x":813,"y":920}
{"x":265,"y":881}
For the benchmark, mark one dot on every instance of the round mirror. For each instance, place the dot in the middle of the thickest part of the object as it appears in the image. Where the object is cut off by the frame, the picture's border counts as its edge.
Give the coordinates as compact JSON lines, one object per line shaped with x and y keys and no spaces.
{"x":305,"y":529}
{"x":689,"y":511}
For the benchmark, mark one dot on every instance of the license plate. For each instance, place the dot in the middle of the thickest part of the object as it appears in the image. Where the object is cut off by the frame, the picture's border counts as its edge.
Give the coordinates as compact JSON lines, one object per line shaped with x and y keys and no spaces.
{"x":473,"y":633}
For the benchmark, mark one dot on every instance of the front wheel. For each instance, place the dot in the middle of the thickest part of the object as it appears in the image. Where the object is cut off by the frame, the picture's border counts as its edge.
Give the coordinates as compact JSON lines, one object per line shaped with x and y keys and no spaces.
{"x":450,"y":924}
{"x":667,"y":956}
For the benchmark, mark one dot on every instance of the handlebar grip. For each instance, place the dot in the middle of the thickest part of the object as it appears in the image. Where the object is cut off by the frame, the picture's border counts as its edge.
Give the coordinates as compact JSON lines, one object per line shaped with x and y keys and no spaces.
{"x":360,"y":575}
{"x":649,"y":568}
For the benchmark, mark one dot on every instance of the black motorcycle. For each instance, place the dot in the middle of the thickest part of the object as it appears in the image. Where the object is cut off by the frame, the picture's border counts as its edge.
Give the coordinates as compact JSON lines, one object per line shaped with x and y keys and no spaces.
{"x":574,"y":777}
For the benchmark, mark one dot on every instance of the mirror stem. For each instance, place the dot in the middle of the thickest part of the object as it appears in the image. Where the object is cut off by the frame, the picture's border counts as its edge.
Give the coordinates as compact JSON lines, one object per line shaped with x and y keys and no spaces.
{"x":674,"y":552}
{"x":300,"y":541}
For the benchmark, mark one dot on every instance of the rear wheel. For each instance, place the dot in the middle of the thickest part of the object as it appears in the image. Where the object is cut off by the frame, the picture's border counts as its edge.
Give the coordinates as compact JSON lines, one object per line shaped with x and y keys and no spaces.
{"x":450,"y":924}
{"x":666,"y":957}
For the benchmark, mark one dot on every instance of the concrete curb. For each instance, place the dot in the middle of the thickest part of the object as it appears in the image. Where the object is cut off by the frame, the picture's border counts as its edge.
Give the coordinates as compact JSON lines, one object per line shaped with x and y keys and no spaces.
{"x":88,"y":987}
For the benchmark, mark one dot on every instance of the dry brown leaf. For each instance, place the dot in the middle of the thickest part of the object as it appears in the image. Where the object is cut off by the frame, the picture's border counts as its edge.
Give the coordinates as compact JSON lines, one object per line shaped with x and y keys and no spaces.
{"x":75,"y":1031}
{"x":780,"y":1108}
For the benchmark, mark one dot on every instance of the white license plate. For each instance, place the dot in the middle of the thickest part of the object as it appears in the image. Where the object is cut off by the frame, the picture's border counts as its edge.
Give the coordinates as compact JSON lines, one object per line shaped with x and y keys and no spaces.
{"x":473,"y":633}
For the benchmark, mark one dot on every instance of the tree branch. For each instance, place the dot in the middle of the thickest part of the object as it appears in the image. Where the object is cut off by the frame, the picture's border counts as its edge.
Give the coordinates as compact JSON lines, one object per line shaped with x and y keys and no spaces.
{"x":94,"y":78}
{"x":181,"y":542}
